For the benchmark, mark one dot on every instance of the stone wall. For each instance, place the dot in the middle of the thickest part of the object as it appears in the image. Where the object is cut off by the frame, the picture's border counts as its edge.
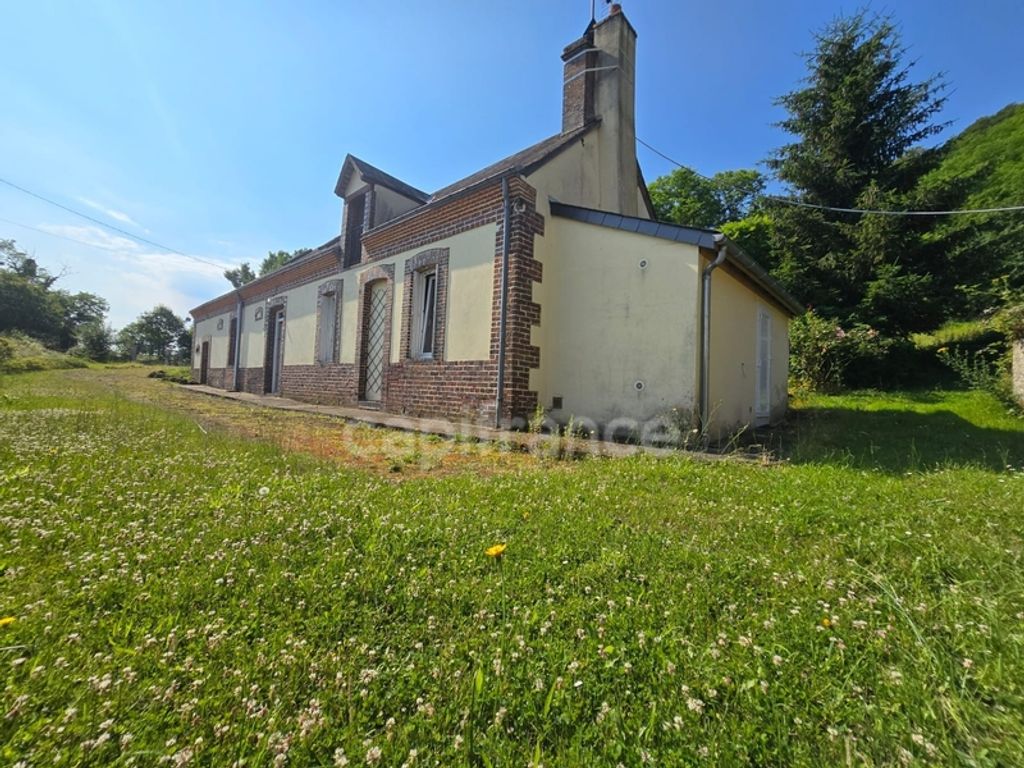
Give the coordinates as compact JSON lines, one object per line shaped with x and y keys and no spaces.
{"x":1018,"y":369}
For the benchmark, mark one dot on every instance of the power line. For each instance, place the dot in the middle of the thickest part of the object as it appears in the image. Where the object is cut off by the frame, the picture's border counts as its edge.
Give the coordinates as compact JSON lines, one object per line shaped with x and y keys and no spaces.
{"x":874,"y":212}
{"x":877,"y":212}
{"x":59,"y":237}
{"x":125,"y":232}
{"x":661,"y":154}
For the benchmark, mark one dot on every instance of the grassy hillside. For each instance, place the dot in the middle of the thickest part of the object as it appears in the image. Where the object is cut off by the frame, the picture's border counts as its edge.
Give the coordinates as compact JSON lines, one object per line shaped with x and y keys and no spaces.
{"x":174,"y":593}
{"x":992,"y":149}
{"x":988,"y":157}
{"x":19,"y":354}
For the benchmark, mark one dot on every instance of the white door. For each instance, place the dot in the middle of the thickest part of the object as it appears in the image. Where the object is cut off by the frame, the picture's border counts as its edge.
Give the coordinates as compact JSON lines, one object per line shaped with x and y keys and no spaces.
{"x":763,"y":394}
{"x":374,"y":348}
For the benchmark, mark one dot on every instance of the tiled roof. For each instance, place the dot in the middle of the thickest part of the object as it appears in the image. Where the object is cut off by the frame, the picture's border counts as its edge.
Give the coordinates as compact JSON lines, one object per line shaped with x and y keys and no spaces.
{"x":375,"y":175}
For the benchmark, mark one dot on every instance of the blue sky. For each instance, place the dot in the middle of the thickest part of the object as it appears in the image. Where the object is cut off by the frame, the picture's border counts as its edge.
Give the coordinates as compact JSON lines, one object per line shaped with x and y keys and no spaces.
{"x":218,"y":129}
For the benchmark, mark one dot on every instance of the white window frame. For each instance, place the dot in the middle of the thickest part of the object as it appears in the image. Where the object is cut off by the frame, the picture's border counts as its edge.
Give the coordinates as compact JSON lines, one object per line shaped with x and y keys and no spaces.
{"x":328,"y":330}
{"x":424,"y":282}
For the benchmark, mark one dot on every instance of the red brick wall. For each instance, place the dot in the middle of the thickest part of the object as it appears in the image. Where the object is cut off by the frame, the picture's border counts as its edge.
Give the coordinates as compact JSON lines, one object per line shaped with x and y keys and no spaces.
{"x":333,"y":384}
{"x":433,"y":387}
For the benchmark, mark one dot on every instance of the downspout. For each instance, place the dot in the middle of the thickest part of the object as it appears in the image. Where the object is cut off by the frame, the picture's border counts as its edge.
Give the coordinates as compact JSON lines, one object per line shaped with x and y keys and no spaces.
{"x":705,"y":341}
{"x":238,"y":341}
{"x":506,"y":244}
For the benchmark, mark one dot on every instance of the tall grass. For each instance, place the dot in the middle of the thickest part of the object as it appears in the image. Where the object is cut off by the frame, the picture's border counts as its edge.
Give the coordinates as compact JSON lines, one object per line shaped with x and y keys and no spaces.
{"x":184,"y":598}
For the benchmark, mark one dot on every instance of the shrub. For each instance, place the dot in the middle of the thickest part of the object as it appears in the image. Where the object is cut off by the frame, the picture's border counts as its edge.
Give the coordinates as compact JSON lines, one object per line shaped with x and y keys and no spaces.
{"x":826,"y":357}
{"x":1011,"y":321}
{"x":21,"y":354}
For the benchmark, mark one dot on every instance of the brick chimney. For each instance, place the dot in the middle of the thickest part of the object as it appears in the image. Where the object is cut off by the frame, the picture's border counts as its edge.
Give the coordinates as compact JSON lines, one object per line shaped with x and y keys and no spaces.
{"x":599,"y":73}
{"x":578,"y":82}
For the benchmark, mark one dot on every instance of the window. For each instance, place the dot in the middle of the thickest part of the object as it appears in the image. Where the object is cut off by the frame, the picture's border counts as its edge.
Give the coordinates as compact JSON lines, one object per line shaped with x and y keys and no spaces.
{"x":356,"y":210}
{"x":425,"y":305}
{"x":327,"y":324}
{"x":232,"y":341}
{"x":424,"y":314}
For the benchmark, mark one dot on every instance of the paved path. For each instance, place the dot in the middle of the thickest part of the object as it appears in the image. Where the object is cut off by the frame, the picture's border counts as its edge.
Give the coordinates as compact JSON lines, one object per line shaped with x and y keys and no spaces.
{"x":442,"y":427}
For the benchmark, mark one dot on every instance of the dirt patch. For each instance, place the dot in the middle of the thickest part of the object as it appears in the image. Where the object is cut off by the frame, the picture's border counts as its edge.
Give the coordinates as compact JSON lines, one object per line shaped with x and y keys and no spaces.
{"x":390,"y":452}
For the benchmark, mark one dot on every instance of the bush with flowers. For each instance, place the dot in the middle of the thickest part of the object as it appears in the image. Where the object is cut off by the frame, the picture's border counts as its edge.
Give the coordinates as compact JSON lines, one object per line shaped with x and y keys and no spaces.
{"x":826,"y":357}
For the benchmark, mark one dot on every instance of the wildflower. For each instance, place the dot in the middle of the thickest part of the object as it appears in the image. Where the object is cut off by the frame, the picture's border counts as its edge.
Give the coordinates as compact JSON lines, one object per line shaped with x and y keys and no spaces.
{"x":826,"y":622}
{"x":496,"y":551}
{"x":968,"y":663}
{"x":263,"y":491}
{"x":373,"y":755}
{"x":6,"y":620}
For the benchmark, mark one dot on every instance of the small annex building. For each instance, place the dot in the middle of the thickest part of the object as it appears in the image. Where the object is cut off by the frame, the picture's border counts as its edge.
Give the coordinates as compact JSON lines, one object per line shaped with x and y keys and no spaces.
{"x":539,"y":281}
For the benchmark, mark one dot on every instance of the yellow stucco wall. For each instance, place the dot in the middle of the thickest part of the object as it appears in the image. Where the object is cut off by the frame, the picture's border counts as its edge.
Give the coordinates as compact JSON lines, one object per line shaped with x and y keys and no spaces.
{"x":252,"y":337}
{"x":574,"y":177}
{"x":470,"y":275}
{"x":733,"y":370}
{"x":570,"y":177}
{"x":389,"y":204}
{"x":206,"y":330}
{"x":470,"y":294}
{"x":607,"y":323}
{"x":300,"y":325}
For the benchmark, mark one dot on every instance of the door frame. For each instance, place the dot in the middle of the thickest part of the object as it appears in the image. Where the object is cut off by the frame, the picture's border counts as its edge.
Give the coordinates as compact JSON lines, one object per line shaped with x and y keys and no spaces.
{"x":204,"y":362}
{"x":763,"y":360}
{"x":367,"y":278}
{"x":275,"y":324}
{"x":380,"y":288}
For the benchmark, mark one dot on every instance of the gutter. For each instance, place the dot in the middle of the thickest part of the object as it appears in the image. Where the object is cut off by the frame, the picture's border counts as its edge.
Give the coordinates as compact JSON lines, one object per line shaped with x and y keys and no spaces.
{"x":705,"y":340}
{"x":506,"y":244}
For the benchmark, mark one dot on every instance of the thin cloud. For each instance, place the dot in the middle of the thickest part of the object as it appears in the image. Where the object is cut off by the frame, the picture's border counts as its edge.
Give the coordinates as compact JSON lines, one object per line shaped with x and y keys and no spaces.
{"x":112,"y":213}
{"x":89,"y":235}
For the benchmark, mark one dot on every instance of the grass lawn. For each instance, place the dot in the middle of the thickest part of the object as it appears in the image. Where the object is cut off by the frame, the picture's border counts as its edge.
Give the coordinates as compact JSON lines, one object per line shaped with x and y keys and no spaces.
{"x":194,"y":582}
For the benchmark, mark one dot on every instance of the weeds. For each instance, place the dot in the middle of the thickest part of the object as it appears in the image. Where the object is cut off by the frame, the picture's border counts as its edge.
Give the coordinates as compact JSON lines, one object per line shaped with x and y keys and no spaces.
{"x":184,"y":598}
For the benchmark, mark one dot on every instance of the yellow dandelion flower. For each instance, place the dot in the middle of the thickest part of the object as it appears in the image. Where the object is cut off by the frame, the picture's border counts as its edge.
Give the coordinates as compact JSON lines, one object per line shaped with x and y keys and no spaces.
{"x":826,"y":622}
{"x":496,"y":550}
{"x":6,"y":620}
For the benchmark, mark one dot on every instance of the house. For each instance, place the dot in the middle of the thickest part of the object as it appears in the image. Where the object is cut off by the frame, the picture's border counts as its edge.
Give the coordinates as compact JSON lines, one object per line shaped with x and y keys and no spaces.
{"x":544,"y":271}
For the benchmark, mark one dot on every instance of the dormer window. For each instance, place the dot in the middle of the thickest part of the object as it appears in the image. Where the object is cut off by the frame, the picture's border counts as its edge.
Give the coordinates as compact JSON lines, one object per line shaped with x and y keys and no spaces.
{"x":372,"y":198}
{"x":355,"y":212}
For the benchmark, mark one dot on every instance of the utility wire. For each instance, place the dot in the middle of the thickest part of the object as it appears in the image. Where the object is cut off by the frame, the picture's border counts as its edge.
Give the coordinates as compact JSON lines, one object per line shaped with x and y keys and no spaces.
{"x":109,"y":226}
{"x":876,"y":212}
{"x":60,"y":237}
{"x":873,"y":212}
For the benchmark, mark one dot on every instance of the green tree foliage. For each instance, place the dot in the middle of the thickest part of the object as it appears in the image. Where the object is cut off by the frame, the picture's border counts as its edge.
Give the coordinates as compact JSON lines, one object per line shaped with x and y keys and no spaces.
{"x":754,"y":235}
{"x":687,"y":198}
{"x":95,"y":341}
{"x":158,"y":334}
{"x":859,"y":121}
{"x":30,"y":304}
{"x":240,"y":275}
{"x":274,"y":260}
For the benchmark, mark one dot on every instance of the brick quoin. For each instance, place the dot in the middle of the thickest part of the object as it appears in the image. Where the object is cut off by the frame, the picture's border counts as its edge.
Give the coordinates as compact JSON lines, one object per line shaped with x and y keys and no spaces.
{"x":435,"y":387}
